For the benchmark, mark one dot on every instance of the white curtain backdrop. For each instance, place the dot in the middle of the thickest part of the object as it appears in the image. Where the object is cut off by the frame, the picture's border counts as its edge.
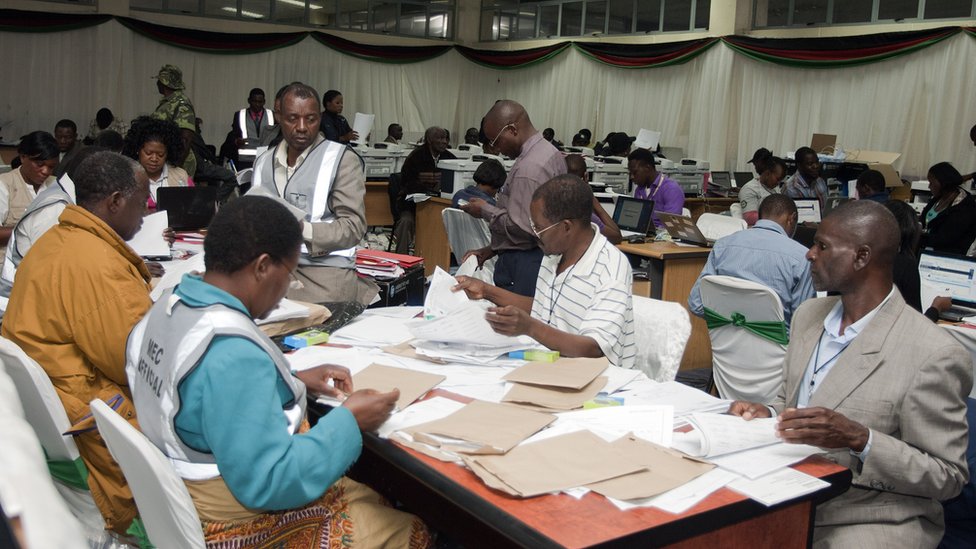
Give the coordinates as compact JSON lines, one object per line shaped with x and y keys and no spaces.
{"x":720,"y":106}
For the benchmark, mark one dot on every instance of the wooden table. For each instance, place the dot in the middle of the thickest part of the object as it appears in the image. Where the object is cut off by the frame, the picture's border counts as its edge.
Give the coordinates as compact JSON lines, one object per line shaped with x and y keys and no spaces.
{"x":672,"y":272}
{"x":377,"y":202}
{"x":698,"y":206}
{"x":451,"y":499}
{"x":430,"y":241}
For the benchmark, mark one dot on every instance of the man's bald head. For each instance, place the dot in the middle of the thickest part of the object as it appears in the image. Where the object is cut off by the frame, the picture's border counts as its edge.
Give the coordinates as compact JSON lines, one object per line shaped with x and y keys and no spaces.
{"x":507,"y":111}
{"x":868,"y":223}
{"x":507,"y":127}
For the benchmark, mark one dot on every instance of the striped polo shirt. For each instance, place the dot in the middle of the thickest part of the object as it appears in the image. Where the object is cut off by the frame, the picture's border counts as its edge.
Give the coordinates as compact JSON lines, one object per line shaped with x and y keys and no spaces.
{"x":591,"y":298}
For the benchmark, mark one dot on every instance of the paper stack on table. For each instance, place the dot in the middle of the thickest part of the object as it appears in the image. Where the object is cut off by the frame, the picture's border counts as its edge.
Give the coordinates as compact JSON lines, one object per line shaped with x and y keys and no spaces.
{"x":285,"y":310}
{"x":481,"y":428}
{"x":561,"y":385}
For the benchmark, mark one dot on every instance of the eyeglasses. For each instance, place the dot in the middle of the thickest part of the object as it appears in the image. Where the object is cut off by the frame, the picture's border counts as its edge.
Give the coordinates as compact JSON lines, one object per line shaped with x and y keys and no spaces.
{"x":538,"y":233}
{"x":500,"y":132}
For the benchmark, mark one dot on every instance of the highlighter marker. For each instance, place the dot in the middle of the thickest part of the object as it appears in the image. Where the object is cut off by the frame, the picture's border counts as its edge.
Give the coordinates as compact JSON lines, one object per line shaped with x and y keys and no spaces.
{"x":535,"y":356}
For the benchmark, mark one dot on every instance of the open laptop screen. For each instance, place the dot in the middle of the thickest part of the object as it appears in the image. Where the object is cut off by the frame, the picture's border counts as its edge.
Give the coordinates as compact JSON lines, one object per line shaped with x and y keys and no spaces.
{"x":948,"y":275}
{"x":633,"y":214}
{"x":187,"y":207}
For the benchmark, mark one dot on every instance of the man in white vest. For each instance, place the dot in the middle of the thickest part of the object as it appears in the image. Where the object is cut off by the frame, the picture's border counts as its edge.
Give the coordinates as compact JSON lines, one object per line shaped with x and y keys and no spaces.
{"x":250,"y":125}
{"x":324,"y":183}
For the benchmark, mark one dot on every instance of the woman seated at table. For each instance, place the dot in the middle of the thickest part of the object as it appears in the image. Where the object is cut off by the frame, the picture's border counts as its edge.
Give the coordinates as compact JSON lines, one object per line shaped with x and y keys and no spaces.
{"x":217,"y":397}
{"x":153,"y":142}
{"x":949,"y":219}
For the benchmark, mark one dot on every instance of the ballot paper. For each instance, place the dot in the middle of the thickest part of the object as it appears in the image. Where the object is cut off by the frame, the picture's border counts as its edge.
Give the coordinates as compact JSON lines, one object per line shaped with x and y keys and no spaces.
{"x":309,"y":357}
{"x":683,"y":497}
{"x":149,"y":241}
{"x":568,"y":373}
{"x":412,"y":384}
{"x":553,"y":465}
{"x":685,"y":399}
{"x":441,"y":299}
{"x":666,"y":470}
{"x":174,"y":273}
{"x":363,"y":125}
{"x":554,"y":398}
{"x":489,"y":428}
{"x":765,"y":460}
{"x":648,"y":422}
{"x":647,"y":139}
{"x":778,"y":487}
{"x":285,"y":310}
{"x":719,"y":434}
{"x":375,"y":331}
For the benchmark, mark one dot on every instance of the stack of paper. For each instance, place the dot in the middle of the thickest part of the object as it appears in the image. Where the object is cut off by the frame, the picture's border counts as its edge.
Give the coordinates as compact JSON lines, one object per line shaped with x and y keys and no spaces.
{"x":372,"y":331}
{"x":665,"y":470}
{"x":561,"y":385}
{"x":481,"y":428}
{"x":685,"y":399}
{"x":554,"y":465}
{"x":285,"y":310}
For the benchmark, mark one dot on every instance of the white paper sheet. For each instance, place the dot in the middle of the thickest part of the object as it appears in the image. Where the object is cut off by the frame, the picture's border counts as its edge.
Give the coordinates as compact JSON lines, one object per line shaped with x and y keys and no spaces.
{"x":651,"y":423}
{"x":778,"y":487}
{"x":174,"y":273}
{"x":441,"y":300}
{"x":421,"y":412}
{"x":618,"y":378}
{"x":149,"y":241}
{"x":719,"y":434}
{"x":466,"y":324}
{"x":467,"y":268}
{"x":372,"y":331}
{"x":363,"y":125}
{"x":647,"y":139}
{"x":684,"y":497}
{"x":310,"y":357}
{"x":404,"y":312}
{"x":285,"y":310}
{"x":685,"y":399}
{"x":762,"y":461}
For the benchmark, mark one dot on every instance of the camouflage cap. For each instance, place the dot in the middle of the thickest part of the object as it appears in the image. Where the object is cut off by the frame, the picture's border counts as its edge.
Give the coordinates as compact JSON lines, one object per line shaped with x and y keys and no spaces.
{"x":171,"y":76}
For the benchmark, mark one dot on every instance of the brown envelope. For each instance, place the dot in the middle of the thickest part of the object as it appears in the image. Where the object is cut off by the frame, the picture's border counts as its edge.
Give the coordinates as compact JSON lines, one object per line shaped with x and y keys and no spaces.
{"x":555,"y":398}
{"x":496,"y":427}
{"x":406,"y":350}
{"x":412,"y":384}
{"x":666,"y":469}
{"x":570,"y":373}
{"x":554,"y":464}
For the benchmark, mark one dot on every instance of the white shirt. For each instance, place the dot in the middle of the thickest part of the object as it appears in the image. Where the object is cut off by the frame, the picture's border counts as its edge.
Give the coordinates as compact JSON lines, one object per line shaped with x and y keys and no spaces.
{"x":591,"y":298}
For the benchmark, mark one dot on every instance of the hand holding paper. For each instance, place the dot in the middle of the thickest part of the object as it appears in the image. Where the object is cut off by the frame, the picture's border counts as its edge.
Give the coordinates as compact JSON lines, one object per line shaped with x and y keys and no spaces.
{"x":371,"y":407}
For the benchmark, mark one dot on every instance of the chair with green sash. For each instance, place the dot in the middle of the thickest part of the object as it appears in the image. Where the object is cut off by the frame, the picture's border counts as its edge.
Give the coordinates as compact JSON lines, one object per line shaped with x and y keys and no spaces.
{"x":45,"y":414}
{"x":748,"y":335}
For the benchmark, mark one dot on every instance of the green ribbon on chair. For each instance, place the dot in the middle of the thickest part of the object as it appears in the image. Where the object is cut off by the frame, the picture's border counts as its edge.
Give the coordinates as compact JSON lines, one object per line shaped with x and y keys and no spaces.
{"x":138,"y":530}
{"x":773,"y":331}
{"x":73,"y":473}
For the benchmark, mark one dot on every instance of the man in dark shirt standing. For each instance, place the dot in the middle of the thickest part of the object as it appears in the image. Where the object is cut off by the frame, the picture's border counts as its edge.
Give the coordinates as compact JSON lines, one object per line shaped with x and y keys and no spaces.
{"x":419,"y":175}
{"x":513,"y":238}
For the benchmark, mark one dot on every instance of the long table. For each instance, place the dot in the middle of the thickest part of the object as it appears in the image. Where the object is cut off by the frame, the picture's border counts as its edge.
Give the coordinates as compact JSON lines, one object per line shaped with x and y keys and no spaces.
{"x":672,"y":274}
{"x":451,"y":499}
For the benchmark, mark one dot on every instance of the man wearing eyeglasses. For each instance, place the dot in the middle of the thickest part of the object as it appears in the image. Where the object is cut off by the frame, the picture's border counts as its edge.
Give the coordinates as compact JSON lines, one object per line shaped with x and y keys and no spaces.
{"x":583,"y":305}
{"x":536,"y":161}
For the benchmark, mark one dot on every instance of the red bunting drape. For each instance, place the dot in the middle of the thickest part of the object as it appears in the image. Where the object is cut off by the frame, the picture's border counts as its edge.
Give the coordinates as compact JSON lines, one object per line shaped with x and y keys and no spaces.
{"x":508,"y":59}
{"x":641,"y":56}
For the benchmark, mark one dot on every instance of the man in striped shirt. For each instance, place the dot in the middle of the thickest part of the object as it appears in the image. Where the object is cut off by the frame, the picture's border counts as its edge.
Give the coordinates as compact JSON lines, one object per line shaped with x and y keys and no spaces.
{"x":583,"y":302}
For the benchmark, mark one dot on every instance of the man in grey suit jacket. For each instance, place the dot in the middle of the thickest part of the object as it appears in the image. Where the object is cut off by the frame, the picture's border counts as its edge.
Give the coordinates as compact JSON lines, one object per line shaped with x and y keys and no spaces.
{"x":877,"y":385}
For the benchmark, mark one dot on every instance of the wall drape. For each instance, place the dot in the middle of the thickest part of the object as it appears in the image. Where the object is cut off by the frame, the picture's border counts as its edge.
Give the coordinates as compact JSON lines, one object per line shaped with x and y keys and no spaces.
{"x":718,"y":106}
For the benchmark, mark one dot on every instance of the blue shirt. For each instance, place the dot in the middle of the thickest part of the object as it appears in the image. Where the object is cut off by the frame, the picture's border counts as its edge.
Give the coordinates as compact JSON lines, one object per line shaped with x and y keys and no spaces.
{"x":469,"y":192}
{"x":763,"y":254}
{"x":232,"y":406}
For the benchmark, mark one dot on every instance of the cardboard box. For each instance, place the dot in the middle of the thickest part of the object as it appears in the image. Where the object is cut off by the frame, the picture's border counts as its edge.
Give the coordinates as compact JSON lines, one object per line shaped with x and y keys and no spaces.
{"x":405,"y":290}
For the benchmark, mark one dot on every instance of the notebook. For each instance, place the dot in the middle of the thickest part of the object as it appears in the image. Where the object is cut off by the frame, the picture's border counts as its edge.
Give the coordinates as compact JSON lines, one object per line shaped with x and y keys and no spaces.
{"x":187,"y":207}
{"x":633,"y":215}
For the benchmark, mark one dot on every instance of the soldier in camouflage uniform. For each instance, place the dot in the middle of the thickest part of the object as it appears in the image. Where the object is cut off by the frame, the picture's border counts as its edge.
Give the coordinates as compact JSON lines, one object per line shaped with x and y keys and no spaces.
{"x":176,"y":107}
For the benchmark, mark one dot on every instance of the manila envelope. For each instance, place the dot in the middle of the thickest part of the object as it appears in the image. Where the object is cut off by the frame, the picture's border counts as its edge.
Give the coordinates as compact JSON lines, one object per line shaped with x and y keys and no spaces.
{"x":554,"y":464}
{"x":496,"y":427}
{"x":406,"y":350}
{"x":555,"y":398}
{"x":666,"y":469}
{"x":412,"y":384}
{"x":571,"y":373}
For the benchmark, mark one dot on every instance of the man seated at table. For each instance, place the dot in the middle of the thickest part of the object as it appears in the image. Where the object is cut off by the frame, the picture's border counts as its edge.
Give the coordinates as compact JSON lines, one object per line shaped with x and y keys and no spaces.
{"x":394,"y":133}
{"x":576,"y":165}
{"x":79,"y":292}
{"x":651,"y":185}
{"x":583,"y":304}
{"x":419,"y":175}
{"x":754,"y":192}
{"x":766,"y":254}
{"x":806,"y":183}
{"x":219,"y":399}
{"x":877,"y":385}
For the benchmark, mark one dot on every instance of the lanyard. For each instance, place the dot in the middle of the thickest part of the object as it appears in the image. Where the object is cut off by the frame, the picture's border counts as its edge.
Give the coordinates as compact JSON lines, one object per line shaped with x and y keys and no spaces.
{"x":816,"y":360}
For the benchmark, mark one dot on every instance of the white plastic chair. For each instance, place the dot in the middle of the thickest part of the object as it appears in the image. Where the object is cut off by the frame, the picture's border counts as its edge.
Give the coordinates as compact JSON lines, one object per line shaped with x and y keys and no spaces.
{"x":465,"y":233}
{"x":715,"y":226}
{"x":735,"y":210}
{"x":164,"y":503}
{"x":45,"y":413}
{"x":662,"y":329}
{"x":745,"y":365}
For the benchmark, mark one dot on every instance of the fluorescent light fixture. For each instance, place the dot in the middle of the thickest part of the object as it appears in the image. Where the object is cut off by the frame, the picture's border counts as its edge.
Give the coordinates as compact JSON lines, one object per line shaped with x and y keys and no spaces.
{"x":245,"y":13}
{"x":300,"y":4}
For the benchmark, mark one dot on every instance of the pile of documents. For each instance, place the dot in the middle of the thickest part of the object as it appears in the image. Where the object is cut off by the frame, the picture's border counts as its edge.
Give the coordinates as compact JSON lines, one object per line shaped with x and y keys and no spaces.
{"x":384,"y":265}
{"x":562,"y":385}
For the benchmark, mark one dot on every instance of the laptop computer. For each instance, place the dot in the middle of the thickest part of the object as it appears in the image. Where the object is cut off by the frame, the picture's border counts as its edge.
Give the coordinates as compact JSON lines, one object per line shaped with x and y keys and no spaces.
{"x":741,"y":178}
{"x":948,"y":275}
{"x":720,"y":184}
{"x":633,"y":216}
{"x":808,"y":210}
{"x":683,"y":229}
{"x":187,"y":208}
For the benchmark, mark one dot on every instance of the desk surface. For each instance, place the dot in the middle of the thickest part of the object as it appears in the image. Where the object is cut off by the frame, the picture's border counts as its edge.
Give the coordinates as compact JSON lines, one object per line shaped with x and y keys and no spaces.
{"x":452,"y":499}
{"x":663,"y":250}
